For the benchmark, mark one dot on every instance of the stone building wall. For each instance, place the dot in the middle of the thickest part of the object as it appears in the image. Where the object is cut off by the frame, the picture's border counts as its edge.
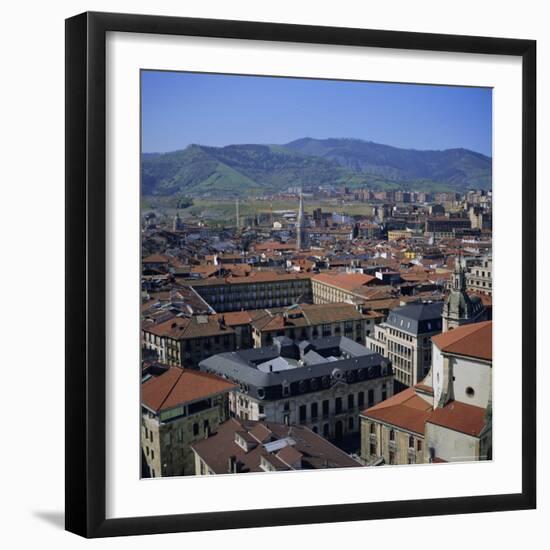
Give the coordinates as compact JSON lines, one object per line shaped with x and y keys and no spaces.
{"x":396,"y":451}
{"x":287,"y":410}
{"x":171,"y":440}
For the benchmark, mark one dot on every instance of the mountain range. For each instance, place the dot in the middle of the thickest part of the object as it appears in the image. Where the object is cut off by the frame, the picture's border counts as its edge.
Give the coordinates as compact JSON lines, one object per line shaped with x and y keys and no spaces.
{"x":254,"y":169}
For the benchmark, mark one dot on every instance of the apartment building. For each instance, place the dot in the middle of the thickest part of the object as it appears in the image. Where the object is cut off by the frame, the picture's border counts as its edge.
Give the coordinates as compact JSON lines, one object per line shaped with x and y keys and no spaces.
{"x":330,"y":288}
{"x":179,"y":407}
{"x":242,"y":446}
{"x":312,"y":321}
{"x":480,"y":277}
{"x":405,"y":339}
{"x":259,"y":289}
{"x":185,"y":341}
{"x":321,"y":384}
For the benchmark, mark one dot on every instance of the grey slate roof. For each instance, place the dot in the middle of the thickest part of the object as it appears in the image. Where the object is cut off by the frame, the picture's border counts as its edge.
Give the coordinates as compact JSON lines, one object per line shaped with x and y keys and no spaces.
{"x":348,"y":359}
{"x":417,"y":318}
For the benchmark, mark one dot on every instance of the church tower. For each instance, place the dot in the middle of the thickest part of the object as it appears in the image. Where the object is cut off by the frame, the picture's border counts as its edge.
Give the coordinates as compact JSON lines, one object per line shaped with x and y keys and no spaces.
{"x":459,"y":308}
{"x":301,"y":236}
{"x":176,"y":224}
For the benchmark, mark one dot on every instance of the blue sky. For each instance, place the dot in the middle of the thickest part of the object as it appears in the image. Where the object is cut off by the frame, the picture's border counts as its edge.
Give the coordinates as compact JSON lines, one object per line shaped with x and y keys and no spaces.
{"x":183,"y":108}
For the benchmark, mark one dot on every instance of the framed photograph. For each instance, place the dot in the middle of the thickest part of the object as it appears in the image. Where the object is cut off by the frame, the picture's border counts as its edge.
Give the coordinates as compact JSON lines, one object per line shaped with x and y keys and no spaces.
{"x":293,"y":255}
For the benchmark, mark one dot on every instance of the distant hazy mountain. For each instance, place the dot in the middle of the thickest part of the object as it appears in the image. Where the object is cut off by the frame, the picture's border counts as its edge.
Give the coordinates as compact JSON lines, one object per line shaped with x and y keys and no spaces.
{"x":457,"y":167}
{"x":254,"y":169}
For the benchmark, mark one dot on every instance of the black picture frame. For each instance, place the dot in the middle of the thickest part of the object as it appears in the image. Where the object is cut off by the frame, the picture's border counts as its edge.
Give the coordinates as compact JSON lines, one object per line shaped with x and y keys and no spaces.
{"x":86,"y":275}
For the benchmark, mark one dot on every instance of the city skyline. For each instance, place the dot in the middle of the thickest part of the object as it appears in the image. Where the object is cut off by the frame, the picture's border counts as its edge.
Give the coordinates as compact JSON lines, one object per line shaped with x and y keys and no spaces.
{"x":180,"y":109}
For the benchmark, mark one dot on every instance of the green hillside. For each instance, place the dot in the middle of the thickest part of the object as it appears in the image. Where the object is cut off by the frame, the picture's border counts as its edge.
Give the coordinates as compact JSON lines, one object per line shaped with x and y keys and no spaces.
{"x":253,"y":170}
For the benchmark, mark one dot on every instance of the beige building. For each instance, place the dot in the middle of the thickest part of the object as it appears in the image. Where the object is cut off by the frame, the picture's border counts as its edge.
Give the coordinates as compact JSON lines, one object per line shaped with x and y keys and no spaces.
{"x":185,"y":341}
{"x":329,"y":288}
{"x":405,"y":339}
{"x":259,"y":289}
{"x":480,"y":277}
{"x":178,"y":408}
{"x":447,"y":417}
{"x":396,"y":234}
{"x":311,"y":321}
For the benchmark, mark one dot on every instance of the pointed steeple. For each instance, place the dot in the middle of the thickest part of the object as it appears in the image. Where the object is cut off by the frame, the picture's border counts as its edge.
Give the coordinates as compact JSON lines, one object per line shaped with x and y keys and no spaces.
{"x":459,"y":275}
{"x":300,"y":225}
{"x":460,"y":308}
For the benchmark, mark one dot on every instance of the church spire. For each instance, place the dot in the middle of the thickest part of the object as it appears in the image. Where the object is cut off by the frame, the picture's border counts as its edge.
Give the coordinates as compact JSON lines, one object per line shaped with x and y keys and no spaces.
{"x":459,"y":275}
{"x":300,"y":225}
{"x":460,"y":308}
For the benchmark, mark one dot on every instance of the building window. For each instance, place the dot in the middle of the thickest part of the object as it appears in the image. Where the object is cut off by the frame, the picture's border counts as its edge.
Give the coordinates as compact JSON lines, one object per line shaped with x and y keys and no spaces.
{"x":351,"y":401}
{"x":392,"y":435}
{"x":314,"y":410}
{"x":392,"y":458}
{"x":373,"y":449}
{"x":325,"y":430}
{"x":361,"y":399}
{"x":303,"y":413}
{"x":419,"y":445}
{"x":371,"y":398}
{"x":350,"y":423}
{"x":325,"y":408}
{"x":411,"y":442}
{"x":152,"y":454}
{"x":338,"y":405}
{"x":195,"y":429}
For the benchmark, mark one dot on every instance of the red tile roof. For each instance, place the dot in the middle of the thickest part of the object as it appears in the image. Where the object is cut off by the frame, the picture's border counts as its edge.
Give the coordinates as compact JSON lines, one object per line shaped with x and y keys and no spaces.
{"x":178,"y":386}
{"x":459,"y":417}
{"x":190,"y":327}
{"x":473,"y":340}
{"x":316,"y":452}
{"x":404,"y":410}
{"x":345,"y":281}
{"x":155,"y":259}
